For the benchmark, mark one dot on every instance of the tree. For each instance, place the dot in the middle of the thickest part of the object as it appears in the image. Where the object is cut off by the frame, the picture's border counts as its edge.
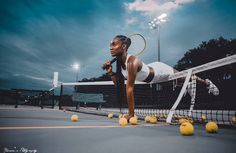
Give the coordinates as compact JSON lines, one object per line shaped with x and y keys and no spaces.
{"x":206,"y":52}
{"x":209,"y":51}
{"x":104,"y":77}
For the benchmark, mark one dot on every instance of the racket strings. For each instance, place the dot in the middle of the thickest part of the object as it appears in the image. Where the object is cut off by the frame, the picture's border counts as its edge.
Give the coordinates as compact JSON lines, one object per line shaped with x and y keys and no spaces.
{"x":140,"y":40}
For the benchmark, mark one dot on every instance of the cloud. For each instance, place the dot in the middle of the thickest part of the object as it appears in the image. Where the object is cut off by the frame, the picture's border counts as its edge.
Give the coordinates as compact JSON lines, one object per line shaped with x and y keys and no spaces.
{"x":151,"y":7}
{"x":33,"y":77}
{"x":131,"y":21}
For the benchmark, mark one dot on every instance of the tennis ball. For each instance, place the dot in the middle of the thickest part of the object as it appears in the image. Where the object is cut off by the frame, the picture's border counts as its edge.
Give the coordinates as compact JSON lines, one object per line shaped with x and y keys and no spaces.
{"x":74,"y":118}
{"x":203,"y":118}
{"x":182,"y":120}
{"x":156,"y":115}
{"x":153,"y":120}
{"x":123,"y":122}
{"x":124,"y":115}
{"x":211,"y":127}
{"x":120,"y":116}
{"x":133,"y":120}
{"x":147,"y":119}
{"x":186,"y":129}
{"x":233,"y":120}
{"x":110,"y":115}
{"x":190,"y":120}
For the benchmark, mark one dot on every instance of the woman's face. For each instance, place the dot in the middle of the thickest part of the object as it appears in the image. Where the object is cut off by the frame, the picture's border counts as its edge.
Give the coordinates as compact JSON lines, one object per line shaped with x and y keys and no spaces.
{"x":116,"y":47}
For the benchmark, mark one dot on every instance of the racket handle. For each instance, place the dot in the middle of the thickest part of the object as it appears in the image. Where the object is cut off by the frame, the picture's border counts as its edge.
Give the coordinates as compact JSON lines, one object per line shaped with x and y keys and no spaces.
{"x":106,"y":66}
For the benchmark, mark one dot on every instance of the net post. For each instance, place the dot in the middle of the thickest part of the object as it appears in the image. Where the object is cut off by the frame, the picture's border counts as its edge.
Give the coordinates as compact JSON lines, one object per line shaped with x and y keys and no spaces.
{"x":55,"y":79}
{"x":172,"y":110}
{"x":52,"y":97}
{"x":60,"y":99}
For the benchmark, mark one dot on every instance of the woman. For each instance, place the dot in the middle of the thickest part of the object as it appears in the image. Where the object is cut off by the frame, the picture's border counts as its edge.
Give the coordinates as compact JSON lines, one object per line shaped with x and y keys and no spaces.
{"x":133,"y":69}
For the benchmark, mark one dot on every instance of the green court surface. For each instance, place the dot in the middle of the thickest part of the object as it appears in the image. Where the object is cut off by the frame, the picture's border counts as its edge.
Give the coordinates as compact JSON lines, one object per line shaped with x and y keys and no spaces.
{"x":50,"y":130}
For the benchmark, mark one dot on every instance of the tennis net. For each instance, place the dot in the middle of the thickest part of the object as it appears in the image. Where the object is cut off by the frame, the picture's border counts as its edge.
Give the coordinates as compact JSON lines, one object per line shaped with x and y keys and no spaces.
{"x":179,"y":96}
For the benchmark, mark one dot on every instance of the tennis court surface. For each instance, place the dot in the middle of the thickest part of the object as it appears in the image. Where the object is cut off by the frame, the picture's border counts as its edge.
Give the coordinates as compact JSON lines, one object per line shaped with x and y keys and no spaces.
{"x":31,"y":129}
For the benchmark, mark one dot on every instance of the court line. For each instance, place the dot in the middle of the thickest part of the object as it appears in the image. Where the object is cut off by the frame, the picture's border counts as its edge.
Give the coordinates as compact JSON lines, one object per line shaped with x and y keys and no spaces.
{"x":28,"y":109}
{"x":77,"y":127}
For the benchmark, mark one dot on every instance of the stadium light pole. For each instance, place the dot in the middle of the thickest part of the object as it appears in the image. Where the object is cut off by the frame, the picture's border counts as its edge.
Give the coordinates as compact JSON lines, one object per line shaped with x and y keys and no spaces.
{"x":76,"y":67}
{"x":156,"y":24}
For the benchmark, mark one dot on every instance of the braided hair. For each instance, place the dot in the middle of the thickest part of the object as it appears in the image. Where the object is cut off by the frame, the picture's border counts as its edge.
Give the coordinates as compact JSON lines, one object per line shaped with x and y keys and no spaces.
{"x":125,"y":40}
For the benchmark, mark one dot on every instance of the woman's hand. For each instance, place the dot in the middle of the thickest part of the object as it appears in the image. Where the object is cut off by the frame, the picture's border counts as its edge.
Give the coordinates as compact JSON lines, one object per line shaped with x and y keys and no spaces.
{"x":108,"y":67}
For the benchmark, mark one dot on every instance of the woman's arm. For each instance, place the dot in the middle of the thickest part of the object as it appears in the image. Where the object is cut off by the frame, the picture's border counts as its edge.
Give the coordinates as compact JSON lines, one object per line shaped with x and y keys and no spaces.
{"x":113,"y":78}
{"x":110,"y":72}
{"x":132,"y":67}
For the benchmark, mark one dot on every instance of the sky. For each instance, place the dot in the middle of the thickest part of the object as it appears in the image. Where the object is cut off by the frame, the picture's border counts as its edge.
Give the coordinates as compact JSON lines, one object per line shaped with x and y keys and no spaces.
{"x":39,"y":37}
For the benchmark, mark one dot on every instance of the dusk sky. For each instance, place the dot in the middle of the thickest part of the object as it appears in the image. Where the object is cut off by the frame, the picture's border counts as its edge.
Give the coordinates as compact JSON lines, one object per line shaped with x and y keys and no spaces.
{"x":39,"y":37}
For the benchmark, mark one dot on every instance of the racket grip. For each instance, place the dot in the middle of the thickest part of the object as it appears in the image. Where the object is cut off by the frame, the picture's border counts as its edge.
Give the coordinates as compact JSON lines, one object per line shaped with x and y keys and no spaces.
{"x":106,"y":66}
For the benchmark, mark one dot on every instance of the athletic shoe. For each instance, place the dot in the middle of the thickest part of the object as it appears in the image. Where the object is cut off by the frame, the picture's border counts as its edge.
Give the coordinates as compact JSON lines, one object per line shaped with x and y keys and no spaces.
{"x":212,"y":88}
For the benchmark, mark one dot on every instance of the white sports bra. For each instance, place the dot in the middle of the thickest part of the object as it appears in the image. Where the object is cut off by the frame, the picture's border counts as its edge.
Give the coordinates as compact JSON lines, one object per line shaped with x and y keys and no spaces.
{"x":141,"y":75}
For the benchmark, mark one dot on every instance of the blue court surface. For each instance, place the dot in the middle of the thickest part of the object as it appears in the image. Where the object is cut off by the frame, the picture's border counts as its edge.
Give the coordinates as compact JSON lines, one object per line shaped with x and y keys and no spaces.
{"x":30,"y":129}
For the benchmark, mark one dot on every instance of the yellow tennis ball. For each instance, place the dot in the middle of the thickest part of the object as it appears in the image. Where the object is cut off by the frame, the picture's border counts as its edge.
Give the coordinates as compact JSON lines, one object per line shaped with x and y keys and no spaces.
{"x":190,"y":120}
{"x":147,"y":119}
{"x":123,"y":122}
{"x":153,"y":120}
{"x":120,"y":116}
{"x":156,"y":115}
{"x":133,"y":120}
{"x":233,"y":120}
{"x":124,"y":115}
{"x":186,"y":129}
{"x":74,"y":118}
{"x":211,"y":127}
{"x":110,"y":115}
{"x":182,"y":120}
{"x":203,"y":118}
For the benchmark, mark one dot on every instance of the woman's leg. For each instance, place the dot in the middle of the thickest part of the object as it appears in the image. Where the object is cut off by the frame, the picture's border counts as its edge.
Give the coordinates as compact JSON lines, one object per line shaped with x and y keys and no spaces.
{"x":131,"y":108}
{"x":209,"y":85}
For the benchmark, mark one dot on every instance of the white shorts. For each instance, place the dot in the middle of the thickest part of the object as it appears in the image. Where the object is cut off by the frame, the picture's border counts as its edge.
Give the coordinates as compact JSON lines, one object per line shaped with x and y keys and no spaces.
{"x":161,"y":70}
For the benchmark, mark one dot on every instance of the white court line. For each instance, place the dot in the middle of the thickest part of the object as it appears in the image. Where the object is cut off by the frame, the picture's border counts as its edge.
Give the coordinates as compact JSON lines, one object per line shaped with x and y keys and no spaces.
{"x":78,"y":127}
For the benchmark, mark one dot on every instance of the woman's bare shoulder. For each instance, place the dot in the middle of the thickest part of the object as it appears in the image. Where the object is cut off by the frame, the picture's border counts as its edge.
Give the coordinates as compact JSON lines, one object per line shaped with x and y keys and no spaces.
{"x":134,"y":61}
